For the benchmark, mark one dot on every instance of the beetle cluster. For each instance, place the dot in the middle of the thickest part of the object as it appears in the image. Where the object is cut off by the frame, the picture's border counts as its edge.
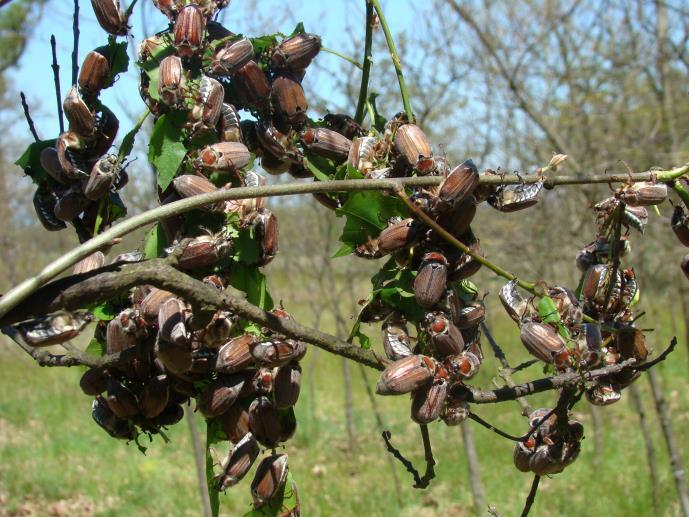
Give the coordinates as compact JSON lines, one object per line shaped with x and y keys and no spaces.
{"x":551,"y":447}
{"x":80,"y":173}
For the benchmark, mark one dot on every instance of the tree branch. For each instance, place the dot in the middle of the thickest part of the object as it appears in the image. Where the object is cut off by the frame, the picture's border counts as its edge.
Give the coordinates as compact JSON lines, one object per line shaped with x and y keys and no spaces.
{"x":532,"y":496}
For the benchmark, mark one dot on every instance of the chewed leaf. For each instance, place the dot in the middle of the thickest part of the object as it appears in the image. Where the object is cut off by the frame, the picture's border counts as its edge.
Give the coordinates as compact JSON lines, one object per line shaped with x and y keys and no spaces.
{"x":367,"y":214}
{"x":30,"y":160}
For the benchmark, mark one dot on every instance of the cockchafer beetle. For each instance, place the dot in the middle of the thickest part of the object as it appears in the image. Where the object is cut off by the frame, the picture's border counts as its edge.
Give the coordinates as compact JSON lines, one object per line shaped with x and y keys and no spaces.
{"x":94,"y":74}
{"x":189,"y":185}
{"x":94,"y":381}
{"x":631,"y":343}
{"x":624,"y":379}
{"x":264,"y":421}
{"x":110,"y":17}
{"x":596,"y":286}
{"x":510,"y":198}
{"x":51,"y":164}
{"x":273,"y":141}
{"x":431,"y":279}
{"x":644,"y":193}
{"x":589,"y":341}
{"x":542,"y":463}
{"x":633,"y":216}
{"x":465,"y":266}
{"x":202,"y":251}
{"x":270,"y":477}
{"x":542,"y":341}
{"x":521,"y":455}
{"x":172,"y":318}
{"x":71,"y":155}
{"x":189,"y":30}
{"x":288,"y":100}
{"x":406,"y":375}
{"x":396,"y":341}
{"x":224,"y":157}
{"x":152,"y":301}
{"x":399,"y":233}
{"x":107,"y":126}
{"x":231,"y":56}
{"x":265,"y":226}
{"x":462,"y":366}
{"x":429,"y":401}
{"x":93,"y":261}
{"x":108,"y":421}
{"x":154,"y":396}
{"x":567,"y":305}
{"x":53,"y":329}
{"x":362,"y":154}
{"x":235,"y":355}
{"x":220,"y":395}
{"x":327,"y":143}
{"x":273,"y":165}
{"x":229,"y":124}
{"x":257,"y":382}
{"x":235,"y":423}
{"x":101,"y":178}
{"x":129,"y":257}
{"x":253,"y":179}
{"x":457,"y":220}
{"x":171,"y":81}
{"x":205,"y":113}
{"x":603,"y":394}
{"x":458,"y":185}
{"x":238,"y":462}
{"x":120,"y":399}
{"x":252,"y":86}
{"x":680,"y":225}
{"x":296,"y":53}
{"x":413,"y":146}
{"x":169,"y":8}
{"x":455,"y":411}
{"x":218,"y":329}
{"x":445,"y":336}
{"x":344,"y":124}
{"x":277,"y":352}
{"x":44,"y":202}
{"x":216,"y":31}
{"x":71,"y":203}
{"x":287,"y":385}
{"x":470,"y":315}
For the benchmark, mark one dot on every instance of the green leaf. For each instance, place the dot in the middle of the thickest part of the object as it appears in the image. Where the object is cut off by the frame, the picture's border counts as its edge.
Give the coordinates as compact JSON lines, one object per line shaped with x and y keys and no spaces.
{"x":128,"y":140}
{"x":379,"y":120}
{"x":264,"y":43}
{"x":30,"y":160}
{"x":548,"y":312}
{"x":246,"y":247}
{"x":214,"y":431}
{"x":285,"y":502}
{"x":250,"y":280}
{"x":155,"y":243}
{"x":166,"y":150}
{"x":356,"y":333}
{"x":323,"y":169}
{"x":299,"y":29}
{"x":467,"y":290}
{"x":95,"y":348}
{"x":367,"y":214}
{"x":345,"y":250}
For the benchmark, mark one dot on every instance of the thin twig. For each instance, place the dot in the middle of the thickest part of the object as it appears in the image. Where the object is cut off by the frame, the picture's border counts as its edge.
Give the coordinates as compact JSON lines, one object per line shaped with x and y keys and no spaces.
{"x":532,"y":496}
{"x":419,"y":482}
{"x":366,"y":71}
{"x":56,"y":78}
{"x":75,"y":48}
{"x":342,"y":56}
{"x":497,"y":431}
{"x":428,"y":456}
{"x":27,"y":116}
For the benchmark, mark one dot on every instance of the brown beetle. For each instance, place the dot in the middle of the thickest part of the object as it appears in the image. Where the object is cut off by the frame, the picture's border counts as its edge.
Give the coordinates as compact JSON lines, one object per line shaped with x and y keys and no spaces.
{"x":327,"y":143}
{"x":429,"y":402}
{"x":470,"y":315}
{"x":445,"y":336}
{"x":70,"y":153}
{"x":107,"y":126}
{"x":457,"y":219}
{"x":413,"y":146}
{"x":101,"y":178}
{"x":459,"y":184}
{"x":202,"y":251}
{"x":51,"y":164}
{"x":631,"y":343}
{"x":277,"y":353}
{"x":108,"y":421}
{"x":270,"y":477}
{"x":288,"y":100}
{"x":189,"y":31}
{"x":209,"y":102}
{"x":44,"y":202}
{"x":122,"y":332}
{"x":399,"y":233}
{"x":94,"y":74}
{"x":264,"y":421}
{"x":510,"y":198}
{"x":93,"y":261}
{"x":462,"y":366}
{"x":362,"y":154}
{"x":645,"y":193}
{"x":287,"y":385}
{"x":406,"y":375}
{"x":171,"y":81}
{"x":396,"y":341}
{"x":296,"y":53}
{"x":53,"y":329}
{"x":429,"y":284}
{"x":94,"y":381}
{"x":521,"y":456}
{"x":232,"y":56}
{"x":188,"y":185}
{"x":152,"y":301}
{"x":224,"y":157}
{"x":154,"y":396}
{"x":252,"y":85}
{"x":455,"y":411}
{"x":219,"y":396}
{"x":238,"y":462}
{"x":235,"y":423}
{"x":542,"y":341}
{"x":172,"y":322}
{"x":121,"y":400}
{"x":71,"y":204}
{"x":110,"y":16}
{"x":229,"y":124}
{"x":265,"y":226}
{"x":466,"y":265}
{"x":603,"y":394}
{"x":679,"y":222}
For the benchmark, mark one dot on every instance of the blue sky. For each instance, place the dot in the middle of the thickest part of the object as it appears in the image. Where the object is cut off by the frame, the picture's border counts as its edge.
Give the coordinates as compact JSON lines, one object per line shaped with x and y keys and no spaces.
{"x":34,"y":76}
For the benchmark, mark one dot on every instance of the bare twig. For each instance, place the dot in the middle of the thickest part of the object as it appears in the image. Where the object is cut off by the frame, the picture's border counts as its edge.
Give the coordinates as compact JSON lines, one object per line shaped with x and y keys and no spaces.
{"x":75,"y":48}
{"x":27,"y":116}
{"x":532,"y":496}
{"x":365,"y":73}
{"x":419,"y":482}
{"x":56,"y":78}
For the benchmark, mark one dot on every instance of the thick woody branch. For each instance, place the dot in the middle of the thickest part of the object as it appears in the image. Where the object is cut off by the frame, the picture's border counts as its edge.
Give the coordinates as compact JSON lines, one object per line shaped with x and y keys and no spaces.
{"x":103,"y":284}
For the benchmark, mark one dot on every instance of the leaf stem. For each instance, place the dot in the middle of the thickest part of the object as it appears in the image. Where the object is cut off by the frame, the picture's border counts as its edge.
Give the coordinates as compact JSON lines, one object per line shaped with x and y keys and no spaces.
{"x":366,"y":71}
{"x":681,"y":192}
{"x":213,"y":494}
{"x":396,"y":61}
{"x":342,"y":56}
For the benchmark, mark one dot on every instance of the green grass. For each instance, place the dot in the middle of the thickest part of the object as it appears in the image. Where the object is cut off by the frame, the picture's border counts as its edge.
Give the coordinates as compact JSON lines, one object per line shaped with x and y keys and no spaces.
{"x":53,"y":457}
